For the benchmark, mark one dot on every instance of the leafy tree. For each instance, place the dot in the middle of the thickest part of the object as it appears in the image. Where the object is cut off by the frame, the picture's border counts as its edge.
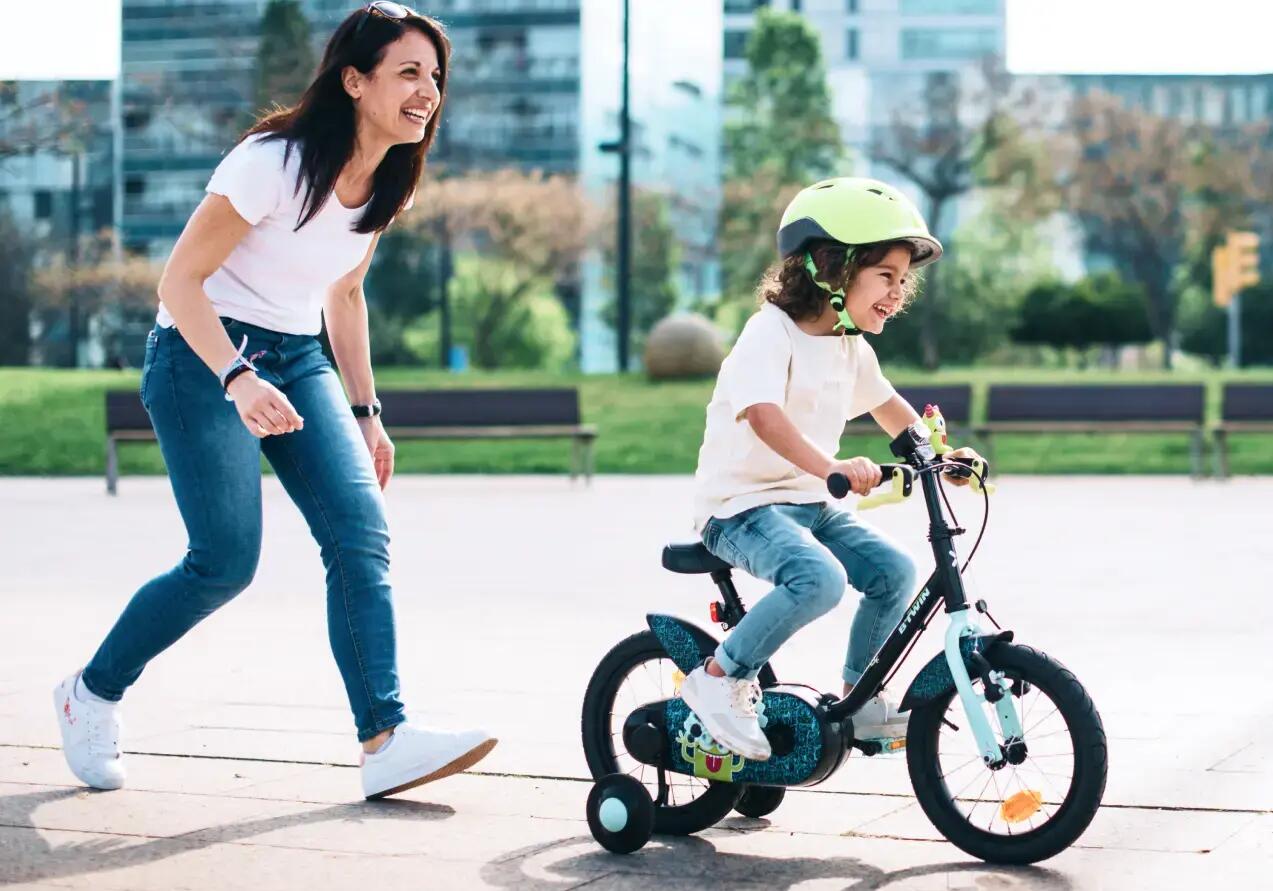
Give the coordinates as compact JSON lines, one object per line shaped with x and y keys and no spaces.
{"x":285,"y":58}
{"x":655,"y":262}
{"x":779,"y":137}
{"x":960,"y":132}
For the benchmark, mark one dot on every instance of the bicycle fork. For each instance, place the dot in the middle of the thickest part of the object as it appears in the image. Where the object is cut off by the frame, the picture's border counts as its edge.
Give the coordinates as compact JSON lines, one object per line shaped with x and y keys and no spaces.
{"x":997,"y":690}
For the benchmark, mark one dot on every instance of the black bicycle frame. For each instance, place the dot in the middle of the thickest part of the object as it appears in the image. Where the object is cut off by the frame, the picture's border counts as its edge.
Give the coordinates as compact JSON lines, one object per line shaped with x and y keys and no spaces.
{"x":945,"y":584}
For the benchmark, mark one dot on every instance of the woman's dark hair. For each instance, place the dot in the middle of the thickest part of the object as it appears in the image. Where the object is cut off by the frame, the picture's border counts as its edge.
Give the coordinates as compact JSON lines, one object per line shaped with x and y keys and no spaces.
{"x":322,"y":123}
{"x":789,"y":286}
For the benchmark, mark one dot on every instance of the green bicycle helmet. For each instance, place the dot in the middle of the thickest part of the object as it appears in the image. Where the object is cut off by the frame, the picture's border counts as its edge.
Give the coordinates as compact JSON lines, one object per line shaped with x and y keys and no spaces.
{"x":853,"y":210}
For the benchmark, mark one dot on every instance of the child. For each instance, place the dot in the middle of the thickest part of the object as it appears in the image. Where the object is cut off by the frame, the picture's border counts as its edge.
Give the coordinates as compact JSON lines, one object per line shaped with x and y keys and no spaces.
{"x":799,"y":371}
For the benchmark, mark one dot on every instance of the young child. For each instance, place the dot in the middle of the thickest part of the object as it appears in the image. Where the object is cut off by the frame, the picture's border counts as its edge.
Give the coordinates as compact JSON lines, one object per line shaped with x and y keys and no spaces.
{"x":799,"y":371}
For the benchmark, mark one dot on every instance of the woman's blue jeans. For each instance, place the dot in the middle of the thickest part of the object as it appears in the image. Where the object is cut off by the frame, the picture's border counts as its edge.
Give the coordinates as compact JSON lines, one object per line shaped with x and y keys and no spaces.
{"x":214,"y":465}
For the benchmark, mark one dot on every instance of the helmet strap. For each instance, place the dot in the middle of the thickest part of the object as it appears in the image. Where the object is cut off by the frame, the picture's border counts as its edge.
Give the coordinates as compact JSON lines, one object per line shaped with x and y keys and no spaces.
{"x":844,"y":323}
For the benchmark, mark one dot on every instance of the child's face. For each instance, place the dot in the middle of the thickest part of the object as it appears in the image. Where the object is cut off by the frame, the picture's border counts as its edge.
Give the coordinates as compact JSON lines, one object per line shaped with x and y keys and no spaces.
{"x":876,"y":294}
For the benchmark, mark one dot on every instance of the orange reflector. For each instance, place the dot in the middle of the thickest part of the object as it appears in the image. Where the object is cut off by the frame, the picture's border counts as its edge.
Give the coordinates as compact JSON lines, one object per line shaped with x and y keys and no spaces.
{"x":1022,"y":806}
{"x":895,"y":745}
{"x":678,"y":677}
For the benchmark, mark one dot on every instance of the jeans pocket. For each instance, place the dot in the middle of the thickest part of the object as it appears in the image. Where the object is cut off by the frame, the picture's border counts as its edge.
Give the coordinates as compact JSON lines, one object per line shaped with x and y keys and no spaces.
{"x":148,"y":366}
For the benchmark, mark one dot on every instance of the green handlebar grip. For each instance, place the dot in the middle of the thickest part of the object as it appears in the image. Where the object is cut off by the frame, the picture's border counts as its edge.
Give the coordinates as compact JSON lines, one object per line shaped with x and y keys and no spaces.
{"x":902,"y":486}
{"x":983,"y":470}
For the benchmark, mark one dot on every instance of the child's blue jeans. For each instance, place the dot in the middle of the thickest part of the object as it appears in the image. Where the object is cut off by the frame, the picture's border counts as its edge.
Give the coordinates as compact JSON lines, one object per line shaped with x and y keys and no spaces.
{"x":809,"y":552}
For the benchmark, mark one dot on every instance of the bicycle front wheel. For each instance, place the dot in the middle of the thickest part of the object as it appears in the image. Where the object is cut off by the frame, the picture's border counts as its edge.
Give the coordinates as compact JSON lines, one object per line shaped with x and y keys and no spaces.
{"x":1025,"y":812}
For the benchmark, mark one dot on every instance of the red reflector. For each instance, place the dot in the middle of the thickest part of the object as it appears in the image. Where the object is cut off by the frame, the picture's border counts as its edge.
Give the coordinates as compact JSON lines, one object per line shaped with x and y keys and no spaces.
{"x":714,"y":612}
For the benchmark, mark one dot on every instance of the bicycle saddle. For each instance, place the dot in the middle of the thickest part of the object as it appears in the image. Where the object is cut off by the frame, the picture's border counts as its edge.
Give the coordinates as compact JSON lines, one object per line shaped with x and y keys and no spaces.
{"x":691,"y":559}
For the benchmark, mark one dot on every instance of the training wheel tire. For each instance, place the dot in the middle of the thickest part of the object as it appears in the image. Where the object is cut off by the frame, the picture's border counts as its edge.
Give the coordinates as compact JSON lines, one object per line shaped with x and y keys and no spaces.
{"x":760,"y":801}
{"x":620,"y":813}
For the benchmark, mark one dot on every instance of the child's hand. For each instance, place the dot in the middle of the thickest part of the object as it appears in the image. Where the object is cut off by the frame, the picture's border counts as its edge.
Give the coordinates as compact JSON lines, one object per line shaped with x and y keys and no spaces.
{"x":863,"y":474}
{"x":967,"y":454}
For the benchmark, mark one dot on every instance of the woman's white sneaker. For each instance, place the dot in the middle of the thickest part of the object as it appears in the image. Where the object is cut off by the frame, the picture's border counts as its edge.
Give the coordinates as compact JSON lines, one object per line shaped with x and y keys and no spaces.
{"x":727,"y":708}
{"x":413,"y":756}
{"x":91,"y":730}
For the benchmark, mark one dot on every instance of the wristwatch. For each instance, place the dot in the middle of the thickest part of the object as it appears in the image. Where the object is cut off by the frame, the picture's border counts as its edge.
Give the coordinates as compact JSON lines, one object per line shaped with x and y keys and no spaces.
{"x":366,"y":411}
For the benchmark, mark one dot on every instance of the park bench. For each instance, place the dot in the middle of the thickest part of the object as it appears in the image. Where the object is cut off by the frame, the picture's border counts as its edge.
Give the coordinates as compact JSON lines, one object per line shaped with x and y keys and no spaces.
{"x":1244,"y":408}
{"x":418,"y":414}
{"x":955,"y":401}
{"x":1097,"y":408}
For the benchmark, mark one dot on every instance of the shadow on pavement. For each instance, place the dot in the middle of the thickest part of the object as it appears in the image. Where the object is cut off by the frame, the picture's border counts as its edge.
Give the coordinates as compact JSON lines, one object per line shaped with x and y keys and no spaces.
{"x":27,"y":856}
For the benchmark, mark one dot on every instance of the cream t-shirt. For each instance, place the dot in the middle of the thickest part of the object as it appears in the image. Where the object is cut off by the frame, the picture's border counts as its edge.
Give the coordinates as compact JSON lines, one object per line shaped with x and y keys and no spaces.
{"x":276,"y":278}
{"x":821,"y":382}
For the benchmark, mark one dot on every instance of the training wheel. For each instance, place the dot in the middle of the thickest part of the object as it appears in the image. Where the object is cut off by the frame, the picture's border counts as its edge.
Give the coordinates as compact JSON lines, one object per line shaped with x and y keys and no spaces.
{"x":760,"y":801}
{"x":620,"y":813}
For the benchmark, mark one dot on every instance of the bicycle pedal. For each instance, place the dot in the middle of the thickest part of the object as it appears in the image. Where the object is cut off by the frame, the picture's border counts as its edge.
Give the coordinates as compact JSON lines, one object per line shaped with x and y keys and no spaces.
{"x":887,"y":745}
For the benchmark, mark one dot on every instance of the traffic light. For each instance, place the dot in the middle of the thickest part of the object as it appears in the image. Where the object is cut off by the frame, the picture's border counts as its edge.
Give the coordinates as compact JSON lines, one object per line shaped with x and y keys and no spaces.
{"x":1235,"y":265}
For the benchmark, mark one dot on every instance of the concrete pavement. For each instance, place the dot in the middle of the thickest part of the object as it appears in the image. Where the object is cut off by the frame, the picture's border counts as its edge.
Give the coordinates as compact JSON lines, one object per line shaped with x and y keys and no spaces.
{"x":1153,"y":590}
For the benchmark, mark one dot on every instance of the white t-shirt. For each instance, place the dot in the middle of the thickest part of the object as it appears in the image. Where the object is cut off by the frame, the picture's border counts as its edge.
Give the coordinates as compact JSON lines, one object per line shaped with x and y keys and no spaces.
{"x":821,"y":382}
{"x":275,"y":277}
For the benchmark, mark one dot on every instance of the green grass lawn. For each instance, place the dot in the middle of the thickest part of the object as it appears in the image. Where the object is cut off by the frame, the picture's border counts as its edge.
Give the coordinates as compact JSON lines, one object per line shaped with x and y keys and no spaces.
{"x":52,"y":422}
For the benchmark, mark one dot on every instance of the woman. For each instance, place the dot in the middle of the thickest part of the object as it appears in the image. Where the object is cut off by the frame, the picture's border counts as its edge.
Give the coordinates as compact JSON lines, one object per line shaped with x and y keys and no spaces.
{"x":233,"y":370}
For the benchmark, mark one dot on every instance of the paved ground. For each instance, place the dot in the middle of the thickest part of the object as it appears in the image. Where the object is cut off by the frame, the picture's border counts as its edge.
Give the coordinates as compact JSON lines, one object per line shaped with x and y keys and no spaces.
{"x":1155,"y":591}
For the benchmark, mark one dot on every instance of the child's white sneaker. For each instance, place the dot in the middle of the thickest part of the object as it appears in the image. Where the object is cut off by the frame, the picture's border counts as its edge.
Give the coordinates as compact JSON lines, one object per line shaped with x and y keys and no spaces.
{"x":412,"y":757}
{"x":878,"y":718}
{"x":727,"y":708}
{"x":91,"y":730}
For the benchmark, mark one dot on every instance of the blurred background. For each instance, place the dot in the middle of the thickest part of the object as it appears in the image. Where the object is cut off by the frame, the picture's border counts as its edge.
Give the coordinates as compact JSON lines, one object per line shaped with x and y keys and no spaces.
{"x":1099,"y":172}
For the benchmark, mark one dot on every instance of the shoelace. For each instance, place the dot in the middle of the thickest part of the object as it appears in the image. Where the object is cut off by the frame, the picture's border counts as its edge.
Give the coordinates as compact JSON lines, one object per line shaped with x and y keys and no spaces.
{"x":103,"y":735}
{"x":745,"y":695}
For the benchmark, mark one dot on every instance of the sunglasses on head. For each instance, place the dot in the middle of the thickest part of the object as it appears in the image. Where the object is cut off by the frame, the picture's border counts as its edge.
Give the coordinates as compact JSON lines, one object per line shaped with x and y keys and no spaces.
{"x":386,"y":9}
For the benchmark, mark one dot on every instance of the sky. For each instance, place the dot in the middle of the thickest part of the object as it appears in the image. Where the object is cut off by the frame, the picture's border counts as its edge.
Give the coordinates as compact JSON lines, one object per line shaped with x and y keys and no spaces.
{"x":1044,"y":36}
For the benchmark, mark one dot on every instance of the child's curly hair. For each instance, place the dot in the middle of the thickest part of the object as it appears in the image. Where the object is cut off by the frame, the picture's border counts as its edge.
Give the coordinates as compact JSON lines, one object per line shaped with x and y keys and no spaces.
{"x":788,"y":285}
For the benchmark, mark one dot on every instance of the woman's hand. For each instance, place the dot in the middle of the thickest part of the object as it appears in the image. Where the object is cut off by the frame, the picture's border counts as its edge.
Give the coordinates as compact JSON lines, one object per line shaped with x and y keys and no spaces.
{"x":380,"y":446}
{"x":262,"y":407}
{"x":863,"y":474}
{"x":966,"y":454}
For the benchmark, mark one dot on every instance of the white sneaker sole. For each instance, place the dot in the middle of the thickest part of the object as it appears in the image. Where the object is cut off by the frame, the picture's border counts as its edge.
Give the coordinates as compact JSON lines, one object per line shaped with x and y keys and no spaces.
{"x":412,"y":777}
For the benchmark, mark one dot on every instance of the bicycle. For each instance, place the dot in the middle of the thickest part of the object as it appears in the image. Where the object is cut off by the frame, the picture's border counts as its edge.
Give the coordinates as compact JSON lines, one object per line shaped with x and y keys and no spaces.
{"x":996,"y":685}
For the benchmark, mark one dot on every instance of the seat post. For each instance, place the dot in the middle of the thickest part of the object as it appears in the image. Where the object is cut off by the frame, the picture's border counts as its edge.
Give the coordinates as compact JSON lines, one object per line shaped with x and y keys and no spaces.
{"x":734,"y":609}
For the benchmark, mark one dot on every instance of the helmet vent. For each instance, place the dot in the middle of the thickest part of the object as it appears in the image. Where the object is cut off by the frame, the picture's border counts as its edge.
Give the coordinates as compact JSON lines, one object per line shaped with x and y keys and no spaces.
{"x":881,"y":194}
{"x":824,"y":186}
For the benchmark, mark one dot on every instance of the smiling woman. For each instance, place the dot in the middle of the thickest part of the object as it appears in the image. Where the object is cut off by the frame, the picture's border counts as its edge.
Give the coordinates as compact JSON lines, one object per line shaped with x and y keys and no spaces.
{"x":279,"y":245}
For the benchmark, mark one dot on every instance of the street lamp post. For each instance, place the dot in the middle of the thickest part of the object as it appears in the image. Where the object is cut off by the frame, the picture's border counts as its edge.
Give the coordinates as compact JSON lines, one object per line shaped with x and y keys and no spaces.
{"x":625,"y":203}
{"x":623,"y":266}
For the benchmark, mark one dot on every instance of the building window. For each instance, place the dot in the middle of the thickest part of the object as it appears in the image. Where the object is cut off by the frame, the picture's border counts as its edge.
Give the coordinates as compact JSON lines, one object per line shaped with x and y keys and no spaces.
{"x":950,"y":7}
{"x":43,"y":204}
{"x":795,"y":5}
{"x":744,"y":5}
{"x":948,"y":43}
{"x":736,"y":44}
{"x":851,"y":44}
{"x":851,"y":7}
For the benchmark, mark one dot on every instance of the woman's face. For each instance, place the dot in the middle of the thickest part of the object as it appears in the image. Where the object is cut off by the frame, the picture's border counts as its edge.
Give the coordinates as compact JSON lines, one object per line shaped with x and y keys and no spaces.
{"x":876,"y":294}
{"x":398,"y":98}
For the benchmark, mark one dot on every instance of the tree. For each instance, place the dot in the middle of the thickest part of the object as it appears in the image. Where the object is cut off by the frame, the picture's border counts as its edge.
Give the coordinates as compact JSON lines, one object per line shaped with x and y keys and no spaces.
{"x":1100,"y":310}
{"x":530,"y":231}
{"x":1146,"y":188}
{"x":15,"y":293}
{"x":655,"y":262}
{"x":41,"y":119}
{"x":285,"y":58}
{"x":402,"y":286}
{"x":998,"y":261}
{"x":1205,"y":326}
{"x":964,"y":131}
{"x":779,"y":137}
